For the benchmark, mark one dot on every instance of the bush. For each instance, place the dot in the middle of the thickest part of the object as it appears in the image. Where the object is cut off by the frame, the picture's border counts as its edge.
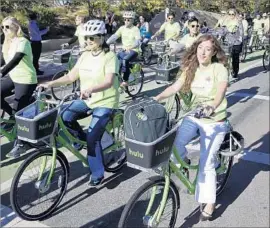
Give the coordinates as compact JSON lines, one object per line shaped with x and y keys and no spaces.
{"x":47,"y":16}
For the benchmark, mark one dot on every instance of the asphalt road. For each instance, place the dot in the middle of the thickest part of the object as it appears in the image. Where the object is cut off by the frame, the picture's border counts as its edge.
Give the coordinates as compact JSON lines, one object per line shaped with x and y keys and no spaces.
{"x":244,"y":202}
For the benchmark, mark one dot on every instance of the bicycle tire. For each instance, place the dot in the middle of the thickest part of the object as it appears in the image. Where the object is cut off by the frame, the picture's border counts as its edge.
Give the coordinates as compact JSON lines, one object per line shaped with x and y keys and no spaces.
{"x":147,"y":60}
{"x":129,"y":88}
{"x":136,"y":196}
{"x":222,"y":185}
{"x":265,"y":55}
{"x":54,"y":89}
{"x":3,"y":113}
{"x":14,"y":199}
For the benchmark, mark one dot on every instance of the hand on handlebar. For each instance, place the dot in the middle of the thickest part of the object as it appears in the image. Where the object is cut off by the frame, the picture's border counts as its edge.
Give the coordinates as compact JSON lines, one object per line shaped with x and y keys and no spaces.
{"x":204,"y":111}
{"x":46,"y":85}
{"x":85,"y":94}
{"x":64,"y":45}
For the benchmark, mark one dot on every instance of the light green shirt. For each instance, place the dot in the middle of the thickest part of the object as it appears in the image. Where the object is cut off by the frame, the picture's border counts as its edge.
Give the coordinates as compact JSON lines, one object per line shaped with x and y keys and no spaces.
{"x":129,"y":36}
{"x":205,"y":87}
{"x":79,"y":34}
{"x":188,"y":40}
{"x":24,"y":72}
{"x":172,"y":31}
{"x":93,"y":71}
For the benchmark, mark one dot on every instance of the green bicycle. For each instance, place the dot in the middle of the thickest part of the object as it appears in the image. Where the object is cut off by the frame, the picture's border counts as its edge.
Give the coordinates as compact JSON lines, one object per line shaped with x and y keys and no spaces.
{"x":70,"y":57}
{"x":11,"y":133}
{"x":156,"y":203}
{"x":41,"y":181}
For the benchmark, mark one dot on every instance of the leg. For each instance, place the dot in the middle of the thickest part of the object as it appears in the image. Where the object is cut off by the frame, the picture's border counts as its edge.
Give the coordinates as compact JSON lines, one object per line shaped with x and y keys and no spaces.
{"x":100,"y":118}
{"x":36,"y":50}
{"x":185,"y":133}
{"x":127,"y":58}
{"x":235,"y":59}
{"x":212,"y":135}
{"x":121,"y":56}
{"x":75,"y":111}
{"x":7,"y":86}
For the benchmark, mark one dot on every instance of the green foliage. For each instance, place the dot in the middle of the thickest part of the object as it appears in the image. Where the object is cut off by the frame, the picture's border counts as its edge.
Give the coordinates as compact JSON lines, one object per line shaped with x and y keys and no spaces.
{"x":47,"y":16}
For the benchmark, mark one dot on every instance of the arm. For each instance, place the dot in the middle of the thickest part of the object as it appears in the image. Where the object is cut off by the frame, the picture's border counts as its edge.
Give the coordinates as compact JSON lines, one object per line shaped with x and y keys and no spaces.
{"x":115,"y":36}
{"x":147,"y":27}
{"x":44,"y":31}
{"x":72,"y":40}
{"x":162,"y":28}
{"x":222,"y":88}
{"x":178,"y":29}
{"x":173,"y":89}
{"x":13,"y":63}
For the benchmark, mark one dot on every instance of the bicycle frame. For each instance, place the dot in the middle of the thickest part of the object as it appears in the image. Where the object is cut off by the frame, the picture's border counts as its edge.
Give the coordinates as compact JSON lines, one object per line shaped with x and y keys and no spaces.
{"x":10,"y":135}
{"x":57,"y":138}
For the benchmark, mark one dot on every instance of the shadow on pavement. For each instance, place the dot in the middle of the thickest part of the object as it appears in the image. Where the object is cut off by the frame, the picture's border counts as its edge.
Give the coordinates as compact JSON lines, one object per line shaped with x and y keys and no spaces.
{"x":261,"y":144}
{"x":251,"y":72}
{"x":241,"y":177}
{"x":251,"y":92}
{"x":252,"y":58}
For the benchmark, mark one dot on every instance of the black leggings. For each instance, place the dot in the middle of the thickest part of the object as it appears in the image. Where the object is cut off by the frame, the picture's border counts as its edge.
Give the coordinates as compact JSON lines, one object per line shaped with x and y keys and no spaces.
{"x":36,"y":50}
{"x":23,"y":94}
{"x":236,"y":50}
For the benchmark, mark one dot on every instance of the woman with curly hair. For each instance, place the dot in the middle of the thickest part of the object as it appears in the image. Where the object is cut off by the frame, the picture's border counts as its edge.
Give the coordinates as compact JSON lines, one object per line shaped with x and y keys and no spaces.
{"x":205,"y":75}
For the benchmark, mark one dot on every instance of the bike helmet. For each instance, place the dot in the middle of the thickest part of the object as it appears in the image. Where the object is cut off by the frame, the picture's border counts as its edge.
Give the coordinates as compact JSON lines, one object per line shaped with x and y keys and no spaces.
{"x":129,"y":14}
{"x":232,"y":144}
{"x":191,"y":14}
{"x":94,"y":27}
{"x":265,"y":15}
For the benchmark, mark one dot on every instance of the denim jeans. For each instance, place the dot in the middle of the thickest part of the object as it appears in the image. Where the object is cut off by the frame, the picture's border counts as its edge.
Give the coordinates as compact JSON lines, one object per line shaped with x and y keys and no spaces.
{"x":211,"y":137}
{"x":100,"y":117}
{"x":125,"y":58}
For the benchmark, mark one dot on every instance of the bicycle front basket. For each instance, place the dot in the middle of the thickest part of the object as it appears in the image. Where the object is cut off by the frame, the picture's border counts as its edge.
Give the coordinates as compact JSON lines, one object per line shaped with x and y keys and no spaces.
{"x":34,"y":123}
{"x":167,"y":74}
{"x":160,"y":48}
{"x":150,"y":155}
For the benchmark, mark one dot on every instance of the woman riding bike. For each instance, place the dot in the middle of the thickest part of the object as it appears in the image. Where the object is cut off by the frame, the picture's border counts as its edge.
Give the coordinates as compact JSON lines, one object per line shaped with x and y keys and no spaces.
{"x":205,"y":75}
{"x":144,"y":31}
{"x":130,"y":36}
{"x":96,"y":69}
{"x":22,"y":77}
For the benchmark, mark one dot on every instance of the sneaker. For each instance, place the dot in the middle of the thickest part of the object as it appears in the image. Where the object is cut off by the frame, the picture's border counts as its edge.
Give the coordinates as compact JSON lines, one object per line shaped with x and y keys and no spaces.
{"x":8,"y":126}
{"x":17,"y":150}
{"x":95,"y":182}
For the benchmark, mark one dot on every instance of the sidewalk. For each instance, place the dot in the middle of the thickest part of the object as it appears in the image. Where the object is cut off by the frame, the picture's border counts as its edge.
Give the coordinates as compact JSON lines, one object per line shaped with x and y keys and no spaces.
{"x":10,"y":219}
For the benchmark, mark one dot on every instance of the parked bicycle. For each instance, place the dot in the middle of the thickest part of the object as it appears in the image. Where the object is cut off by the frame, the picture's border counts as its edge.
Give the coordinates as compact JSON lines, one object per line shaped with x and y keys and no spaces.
{"x":41,"y":180}
{"x":156,"y":203}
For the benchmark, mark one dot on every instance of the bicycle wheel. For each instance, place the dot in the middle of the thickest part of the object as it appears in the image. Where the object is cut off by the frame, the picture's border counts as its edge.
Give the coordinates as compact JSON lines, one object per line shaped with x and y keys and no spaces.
{"x":223,"y":172}
{"x":3,"y":113}
{"x":58,"y":93}
{"x":135,"y":83}
{"x":134,"y":215}
{"x":30,"y":195}
{"x":266,"y":60}
{"x":114,"y":160}
{"x":147,"y":55}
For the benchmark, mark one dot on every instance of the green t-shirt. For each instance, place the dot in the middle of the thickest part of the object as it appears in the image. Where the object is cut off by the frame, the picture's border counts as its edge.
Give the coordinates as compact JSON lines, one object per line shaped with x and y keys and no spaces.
{"x":24,"y":72}
{"x":79,"y":34}
{"x":129,"y":36}
{"x":172,"y":31}
{"x":231,"y":25}
{"x":188,"y":40}
{"x":92,"y":72}
{"x":204,"y":89}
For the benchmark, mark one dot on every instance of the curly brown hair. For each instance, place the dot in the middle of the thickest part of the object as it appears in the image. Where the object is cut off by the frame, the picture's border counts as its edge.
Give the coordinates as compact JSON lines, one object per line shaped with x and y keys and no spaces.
{"x":190,"y":62}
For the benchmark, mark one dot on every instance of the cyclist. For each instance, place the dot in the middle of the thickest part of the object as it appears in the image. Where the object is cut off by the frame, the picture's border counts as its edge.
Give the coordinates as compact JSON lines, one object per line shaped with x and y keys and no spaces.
{"x":79,"y":20}
{"x":188,"y":39}
{"x":130,"y":36}
{"x":235,"y":27}
{"x":266,"y":23}
{"x":22,"y":77}
{"x":222,"y":19}
{"x":96,"y":69}
{"x":257,"y":29}
{"x":205,"y":75}
{"x":185,"y":29}
{"x":144,"y":31}
{"x":171,"y":28}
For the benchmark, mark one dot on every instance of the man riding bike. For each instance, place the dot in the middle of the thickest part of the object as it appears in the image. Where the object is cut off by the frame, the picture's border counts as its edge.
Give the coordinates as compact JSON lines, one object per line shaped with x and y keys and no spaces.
{"x":222,"y":19}
{"x":185,"y":29}
{"x":130,"y":36}
{"x":144,"y":31}
{"x":96,"y":69}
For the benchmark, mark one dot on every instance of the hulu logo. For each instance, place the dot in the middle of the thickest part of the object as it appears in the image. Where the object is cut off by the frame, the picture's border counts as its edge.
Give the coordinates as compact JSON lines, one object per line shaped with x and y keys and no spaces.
{"x":42,"y":127}
{"x":23,"y":128}
{"x":136,"y":154}
{"x":162,"y":151}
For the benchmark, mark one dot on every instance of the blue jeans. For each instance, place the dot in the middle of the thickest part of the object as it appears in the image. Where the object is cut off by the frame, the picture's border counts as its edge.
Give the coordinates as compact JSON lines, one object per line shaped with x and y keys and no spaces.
{"x":125,"y":58}
{"x":100,"y":117}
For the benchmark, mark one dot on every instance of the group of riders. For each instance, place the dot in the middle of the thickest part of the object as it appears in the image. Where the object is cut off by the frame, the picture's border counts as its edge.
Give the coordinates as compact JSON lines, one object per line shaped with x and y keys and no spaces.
{"x":203,"y":72}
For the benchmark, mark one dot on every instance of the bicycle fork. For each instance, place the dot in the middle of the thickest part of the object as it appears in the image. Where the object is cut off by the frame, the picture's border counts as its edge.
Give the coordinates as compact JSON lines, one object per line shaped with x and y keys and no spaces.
{"x":153,"y":220}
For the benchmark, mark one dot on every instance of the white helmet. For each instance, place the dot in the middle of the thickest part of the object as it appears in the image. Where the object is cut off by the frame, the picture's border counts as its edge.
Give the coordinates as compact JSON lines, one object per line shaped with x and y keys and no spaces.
{"x":265,"y":15}
{"x":94,"y":27}
{"x":129,"y":14}
{"x":191,"y":14}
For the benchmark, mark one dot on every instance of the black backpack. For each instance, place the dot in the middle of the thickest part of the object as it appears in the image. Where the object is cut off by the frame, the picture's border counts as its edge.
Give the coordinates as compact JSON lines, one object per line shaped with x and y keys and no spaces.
{"x":145,"y":120}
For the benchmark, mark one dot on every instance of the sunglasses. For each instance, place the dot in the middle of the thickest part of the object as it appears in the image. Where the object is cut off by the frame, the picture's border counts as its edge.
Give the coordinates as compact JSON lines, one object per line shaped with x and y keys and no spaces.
{"x":170,"y":18}
{"x":127,"y":19}
{"x":91,"y":38}
{"x":231,"y":14}
{"x":5,"y":26}
{"x":193,"y":26}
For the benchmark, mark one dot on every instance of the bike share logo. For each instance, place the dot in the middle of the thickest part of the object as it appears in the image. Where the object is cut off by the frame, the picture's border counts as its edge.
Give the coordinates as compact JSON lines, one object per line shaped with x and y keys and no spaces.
{"x":141,"y":116}
{"x":43,"y":127}
{"x":23,"y":128}
{"x":162,"y":151}
{"x":135,"y":153}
